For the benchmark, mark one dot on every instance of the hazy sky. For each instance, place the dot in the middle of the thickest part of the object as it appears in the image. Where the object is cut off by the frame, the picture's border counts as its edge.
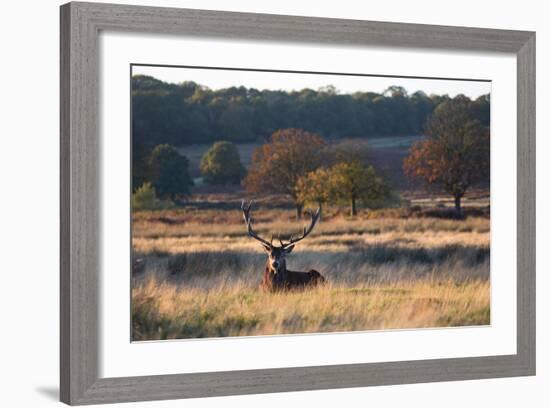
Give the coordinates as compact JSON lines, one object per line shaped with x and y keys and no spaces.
{"x":217,"y":79}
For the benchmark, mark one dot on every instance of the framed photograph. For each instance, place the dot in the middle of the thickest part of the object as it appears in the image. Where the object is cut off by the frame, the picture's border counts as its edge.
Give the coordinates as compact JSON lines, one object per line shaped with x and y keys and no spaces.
{"x":261,"y":203}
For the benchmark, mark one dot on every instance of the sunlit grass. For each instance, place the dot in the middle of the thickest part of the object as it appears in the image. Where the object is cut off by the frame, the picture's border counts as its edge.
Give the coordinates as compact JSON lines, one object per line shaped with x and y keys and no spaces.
{"x":167,"y":311}
{"x":196,"y":273}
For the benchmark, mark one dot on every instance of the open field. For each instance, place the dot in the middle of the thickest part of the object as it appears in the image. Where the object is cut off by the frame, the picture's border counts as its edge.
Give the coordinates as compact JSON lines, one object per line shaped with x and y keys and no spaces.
{"x":196,"y":273}
{"x":166,"y":311}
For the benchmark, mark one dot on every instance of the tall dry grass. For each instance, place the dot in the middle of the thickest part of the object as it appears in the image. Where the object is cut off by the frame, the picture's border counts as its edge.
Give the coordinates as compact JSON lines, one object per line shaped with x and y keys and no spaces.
{"x":166,"y":311}
{"x":197,"y":274}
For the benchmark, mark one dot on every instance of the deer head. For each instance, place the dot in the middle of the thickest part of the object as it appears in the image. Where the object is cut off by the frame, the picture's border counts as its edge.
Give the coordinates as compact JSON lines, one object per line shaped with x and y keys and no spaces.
{"x":277,"y":253}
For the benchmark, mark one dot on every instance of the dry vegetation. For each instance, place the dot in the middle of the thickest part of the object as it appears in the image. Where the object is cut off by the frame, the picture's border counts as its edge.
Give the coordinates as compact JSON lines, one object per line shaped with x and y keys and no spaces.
{"x":196,"y":274}
{"x":167,"y":311}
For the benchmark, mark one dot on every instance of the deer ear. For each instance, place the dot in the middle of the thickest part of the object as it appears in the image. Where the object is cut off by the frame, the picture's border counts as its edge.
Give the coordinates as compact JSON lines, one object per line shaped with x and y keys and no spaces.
{"x":289,"y":249}
{"x":267,"y":248}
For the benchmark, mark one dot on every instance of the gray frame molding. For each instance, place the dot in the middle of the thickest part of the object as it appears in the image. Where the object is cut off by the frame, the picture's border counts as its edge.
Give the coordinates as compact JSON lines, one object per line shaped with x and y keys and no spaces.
{"x":80,"y":234}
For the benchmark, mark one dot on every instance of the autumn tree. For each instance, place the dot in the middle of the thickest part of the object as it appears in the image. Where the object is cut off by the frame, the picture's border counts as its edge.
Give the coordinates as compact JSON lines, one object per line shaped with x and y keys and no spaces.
{"x":351,"y":181}
{"x":456,"y":153}
{"x":169,"y":172}
{"x":278,"y":165}
{"x":314,"y":187}
{"x":221,"y":164}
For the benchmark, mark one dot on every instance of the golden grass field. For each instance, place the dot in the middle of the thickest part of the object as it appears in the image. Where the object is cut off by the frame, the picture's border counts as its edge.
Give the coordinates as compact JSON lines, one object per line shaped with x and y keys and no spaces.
{"x":196,"y":273}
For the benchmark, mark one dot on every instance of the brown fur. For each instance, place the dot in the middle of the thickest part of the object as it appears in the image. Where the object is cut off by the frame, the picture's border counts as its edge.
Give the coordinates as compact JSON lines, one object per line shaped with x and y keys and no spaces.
{"x":281,"y":279}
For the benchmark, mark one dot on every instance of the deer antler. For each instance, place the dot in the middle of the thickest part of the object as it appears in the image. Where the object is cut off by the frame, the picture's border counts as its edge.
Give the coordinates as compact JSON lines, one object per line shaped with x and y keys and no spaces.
{"x":314,"y":218}
{"x":248,"y":221}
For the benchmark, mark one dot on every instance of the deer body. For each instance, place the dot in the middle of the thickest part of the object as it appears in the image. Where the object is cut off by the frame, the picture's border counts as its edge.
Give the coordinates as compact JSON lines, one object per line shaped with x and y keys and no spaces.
{"x":276,"y":276}
{"x":283,"y":279}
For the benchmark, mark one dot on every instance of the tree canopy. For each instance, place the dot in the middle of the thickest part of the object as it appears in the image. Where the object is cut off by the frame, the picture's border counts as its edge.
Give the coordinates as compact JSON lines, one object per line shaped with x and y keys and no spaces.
{"x":314,"y":187}
{"x":169,"y":172}
{"x":276,"y":166}
{"x":352,"y":181}
{"x":221,"y":164}
{"x":347,"y":181}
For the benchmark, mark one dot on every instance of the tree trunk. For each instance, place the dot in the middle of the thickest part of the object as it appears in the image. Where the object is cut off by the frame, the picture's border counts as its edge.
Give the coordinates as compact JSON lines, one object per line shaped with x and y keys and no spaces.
{"x":458,"y":207}
{"x":353,"y":211}
{"x":299,"y":207}
{"x":320,"y":210}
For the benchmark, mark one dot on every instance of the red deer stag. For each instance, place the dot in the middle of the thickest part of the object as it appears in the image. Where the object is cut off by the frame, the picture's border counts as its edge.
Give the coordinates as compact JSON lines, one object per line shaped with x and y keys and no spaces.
{"x":276,"y":276}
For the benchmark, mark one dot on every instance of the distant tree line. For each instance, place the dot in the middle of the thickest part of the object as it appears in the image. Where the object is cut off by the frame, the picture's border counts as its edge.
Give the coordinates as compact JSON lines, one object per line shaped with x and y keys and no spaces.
{"x":189,"y":113}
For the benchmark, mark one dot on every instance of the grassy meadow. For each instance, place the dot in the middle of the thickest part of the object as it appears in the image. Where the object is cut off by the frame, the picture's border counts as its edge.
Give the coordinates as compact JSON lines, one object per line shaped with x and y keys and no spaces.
{"x":196,"y":273}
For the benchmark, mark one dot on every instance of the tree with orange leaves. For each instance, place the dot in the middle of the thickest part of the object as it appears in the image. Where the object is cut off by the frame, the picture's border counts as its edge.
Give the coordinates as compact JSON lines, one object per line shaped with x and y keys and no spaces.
{"x":278,"y":165}
{"x":456,"y":153}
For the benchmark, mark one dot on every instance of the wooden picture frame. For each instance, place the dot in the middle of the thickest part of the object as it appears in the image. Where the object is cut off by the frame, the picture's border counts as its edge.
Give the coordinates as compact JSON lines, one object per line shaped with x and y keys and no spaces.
{"x":80,"y":234}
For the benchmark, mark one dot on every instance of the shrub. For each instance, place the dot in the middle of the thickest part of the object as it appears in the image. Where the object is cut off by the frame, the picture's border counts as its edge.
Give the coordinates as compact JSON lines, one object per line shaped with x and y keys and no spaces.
{"x":144,"y":198}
